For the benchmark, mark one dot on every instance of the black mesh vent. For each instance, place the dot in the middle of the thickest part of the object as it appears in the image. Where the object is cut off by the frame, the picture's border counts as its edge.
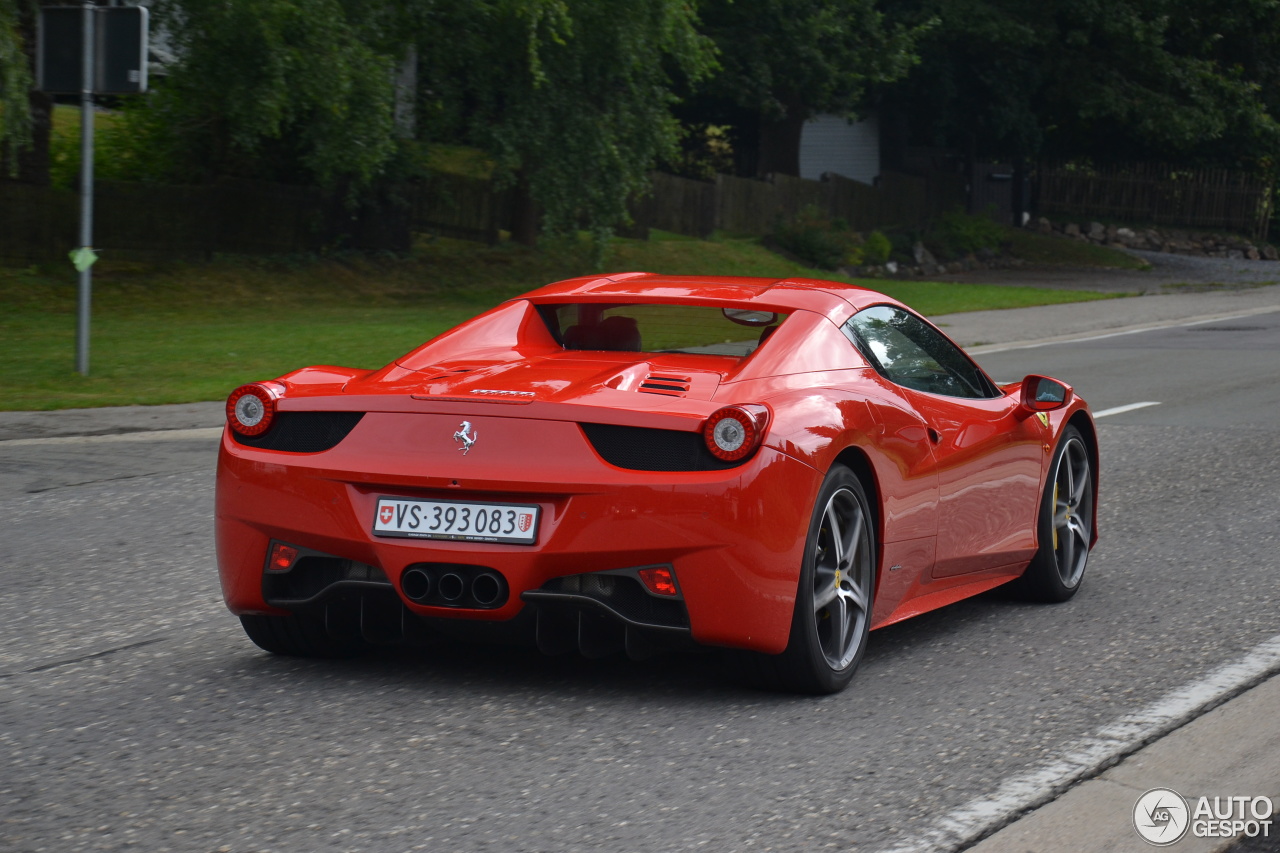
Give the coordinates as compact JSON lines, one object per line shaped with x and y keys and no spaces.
{"x":645,"y":449}
{"x":625,"y":596}
{"x":303,"y":432}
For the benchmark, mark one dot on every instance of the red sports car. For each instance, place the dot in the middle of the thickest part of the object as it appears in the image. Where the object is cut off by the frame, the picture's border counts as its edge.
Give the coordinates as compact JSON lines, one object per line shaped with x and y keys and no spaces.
{"x":630,"y":462}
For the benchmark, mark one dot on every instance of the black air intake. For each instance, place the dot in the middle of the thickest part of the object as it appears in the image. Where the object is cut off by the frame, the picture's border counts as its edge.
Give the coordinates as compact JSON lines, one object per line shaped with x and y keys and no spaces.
{"x":645,"y":449}
{"x":303,"y":432}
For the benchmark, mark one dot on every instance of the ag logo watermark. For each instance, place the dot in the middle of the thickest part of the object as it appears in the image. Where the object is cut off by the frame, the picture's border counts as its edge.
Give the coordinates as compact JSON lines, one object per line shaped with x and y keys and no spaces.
{"x":1162,"y":817}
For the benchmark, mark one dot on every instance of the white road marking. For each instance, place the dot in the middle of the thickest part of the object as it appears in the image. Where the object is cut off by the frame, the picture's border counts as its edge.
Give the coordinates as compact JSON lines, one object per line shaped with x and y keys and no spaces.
{"x":1120,"y":410}
{"x":1128,"y":330}
{"x":152,"y":435}
{"x":1094,"y":753}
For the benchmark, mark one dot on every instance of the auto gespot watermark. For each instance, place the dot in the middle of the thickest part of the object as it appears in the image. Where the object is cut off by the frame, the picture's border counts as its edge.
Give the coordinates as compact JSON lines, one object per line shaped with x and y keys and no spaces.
{"x":1162,"y":816}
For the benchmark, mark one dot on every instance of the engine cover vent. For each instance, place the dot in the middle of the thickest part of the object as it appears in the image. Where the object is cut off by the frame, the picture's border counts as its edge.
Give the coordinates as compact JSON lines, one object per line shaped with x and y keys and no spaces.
{"x":672,"y":386}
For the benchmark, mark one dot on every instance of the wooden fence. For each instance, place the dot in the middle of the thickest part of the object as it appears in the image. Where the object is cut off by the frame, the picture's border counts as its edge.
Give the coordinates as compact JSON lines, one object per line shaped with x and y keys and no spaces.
{"x":754,"y":207}
{"x":241,"y":217}
{"x":458,"y":206}
{"x":1158,"y":194}
{"x":152,"y":220}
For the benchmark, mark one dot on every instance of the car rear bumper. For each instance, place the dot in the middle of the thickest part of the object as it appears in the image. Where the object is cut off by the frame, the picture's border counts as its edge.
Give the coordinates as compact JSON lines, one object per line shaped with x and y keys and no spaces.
{"x":734,"y":538}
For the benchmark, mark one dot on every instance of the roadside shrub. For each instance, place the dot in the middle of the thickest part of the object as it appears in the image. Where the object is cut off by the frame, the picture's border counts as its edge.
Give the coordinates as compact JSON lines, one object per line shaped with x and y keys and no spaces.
{"x":705,"y":151}
{"x":877,"y":248}
{"x":818,"y":241}
{"x":901,"y":243}
{"x":958,"y":234}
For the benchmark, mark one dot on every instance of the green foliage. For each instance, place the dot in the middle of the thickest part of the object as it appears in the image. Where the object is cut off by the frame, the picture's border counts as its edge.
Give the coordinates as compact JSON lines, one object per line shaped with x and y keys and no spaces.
{"x":15,"y":81}
{"x":877,"y":248}
{"x":290,"y":90}
{"x":570,"y":98}
{"x":958,"y":234}
{"x":118,"y":153}
{"x":784,"y":61}
{"x":705,"y":151}
{"x":1125,"y":79}
{"x":817,"y":240}
{"x":814,"y":55}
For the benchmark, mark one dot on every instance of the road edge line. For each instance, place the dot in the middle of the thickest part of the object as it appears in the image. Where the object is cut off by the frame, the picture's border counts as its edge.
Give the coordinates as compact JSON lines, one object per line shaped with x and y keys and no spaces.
{"x":985,"y":349}
{"x":1092,"y":754}
{"x":139,"y":435}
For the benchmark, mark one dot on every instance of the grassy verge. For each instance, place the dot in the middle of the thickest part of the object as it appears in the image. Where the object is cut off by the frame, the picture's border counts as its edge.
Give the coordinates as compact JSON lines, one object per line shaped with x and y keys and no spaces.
{"x":1044,"y":249}
{"x":188,"y":332}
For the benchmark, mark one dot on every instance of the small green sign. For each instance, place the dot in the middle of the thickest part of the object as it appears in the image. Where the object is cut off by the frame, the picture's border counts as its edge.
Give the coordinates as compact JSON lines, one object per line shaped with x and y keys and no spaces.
{"x":83,"y":258}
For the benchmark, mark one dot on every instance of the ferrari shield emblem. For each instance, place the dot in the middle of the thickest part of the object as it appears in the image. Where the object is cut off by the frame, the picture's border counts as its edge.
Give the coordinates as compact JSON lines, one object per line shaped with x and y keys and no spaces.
{"x":1044,"y":419}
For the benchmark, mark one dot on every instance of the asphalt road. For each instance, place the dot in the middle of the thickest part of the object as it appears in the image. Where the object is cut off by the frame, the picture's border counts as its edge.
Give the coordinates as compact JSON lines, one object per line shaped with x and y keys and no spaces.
{"x":135,"y":715}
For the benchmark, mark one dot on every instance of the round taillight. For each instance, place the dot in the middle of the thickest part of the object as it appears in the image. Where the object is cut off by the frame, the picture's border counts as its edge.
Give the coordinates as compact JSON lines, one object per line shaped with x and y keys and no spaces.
{"x":734,"y":432}
{"x":251,"y":409}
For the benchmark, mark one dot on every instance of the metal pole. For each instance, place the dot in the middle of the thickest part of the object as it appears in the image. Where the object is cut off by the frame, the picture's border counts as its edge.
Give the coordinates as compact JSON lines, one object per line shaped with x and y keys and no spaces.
{"x":86,"y":189}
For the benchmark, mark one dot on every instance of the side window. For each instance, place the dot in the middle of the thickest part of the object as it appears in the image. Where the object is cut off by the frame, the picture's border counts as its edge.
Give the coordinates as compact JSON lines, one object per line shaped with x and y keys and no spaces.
{"x":909,"y":352}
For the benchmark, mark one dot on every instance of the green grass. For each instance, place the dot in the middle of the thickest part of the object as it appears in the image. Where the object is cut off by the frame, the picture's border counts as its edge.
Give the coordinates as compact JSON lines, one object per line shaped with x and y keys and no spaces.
{"x":459,"y":160}
{"x":1044,"y":249}
{"x":64,"y":146}
{"x":189,"y":332}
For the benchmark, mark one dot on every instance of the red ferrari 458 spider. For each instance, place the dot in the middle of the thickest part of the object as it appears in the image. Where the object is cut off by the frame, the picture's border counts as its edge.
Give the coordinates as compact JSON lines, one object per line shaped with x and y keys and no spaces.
{"x":630,"y":462}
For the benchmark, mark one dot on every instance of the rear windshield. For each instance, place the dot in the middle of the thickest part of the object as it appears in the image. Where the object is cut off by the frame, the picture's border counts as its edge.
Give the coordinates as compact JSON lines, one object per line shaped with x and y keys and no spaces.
{"x":660,"y":328}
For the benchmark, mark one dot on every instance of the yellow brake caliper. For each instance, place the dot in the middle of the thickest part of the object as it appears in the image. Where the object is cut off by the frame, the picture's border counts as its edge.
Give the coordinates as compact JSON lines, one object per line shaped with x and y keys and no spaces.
{"x":1055,"y":514}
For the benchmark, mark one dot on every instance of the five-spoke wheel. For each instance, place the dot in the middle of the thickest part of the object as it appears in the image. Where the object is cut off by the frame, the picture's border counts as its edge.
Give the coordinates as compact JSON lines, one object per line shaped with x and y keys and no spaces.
{"x":1065,"y":524}
{"x":841,"y":596}
{"x":833,"y":603}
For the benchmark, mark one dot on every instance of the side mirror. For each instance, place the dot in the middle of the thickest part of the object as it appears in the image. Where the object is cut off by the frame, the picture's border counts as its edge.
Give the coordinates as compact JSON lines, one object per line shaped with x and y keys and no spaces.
{"x":1042,"y":394}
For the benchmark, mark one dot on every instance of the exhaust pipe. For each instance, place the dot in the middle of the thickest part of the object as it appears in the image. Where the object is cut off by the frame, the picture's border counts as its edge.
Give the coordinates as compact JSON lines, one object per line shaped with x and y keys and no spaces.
{"x":486,"y":588}
{"x":416,"y":584}
{"x":452,"y":586}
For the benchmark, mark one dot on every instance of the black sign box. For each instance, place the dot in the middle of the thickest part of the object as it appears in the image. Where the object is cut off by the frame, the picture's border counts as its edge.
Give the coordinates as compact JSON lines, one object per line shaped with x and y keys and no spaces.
{"x":119,"y":56}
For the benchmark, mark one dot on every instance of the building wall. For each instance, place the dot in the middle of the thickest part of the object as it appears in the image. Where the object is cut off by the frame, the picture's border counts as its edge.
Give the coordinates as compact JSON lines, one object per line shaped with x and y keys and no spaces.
{"x":830,"y":143}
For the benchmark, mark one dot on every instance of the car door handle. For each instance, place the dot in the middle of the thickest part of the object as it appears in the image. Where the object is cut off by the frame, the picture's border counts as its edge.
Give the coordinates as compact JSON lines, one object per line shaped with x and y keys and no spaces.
{"x":934,"y":435}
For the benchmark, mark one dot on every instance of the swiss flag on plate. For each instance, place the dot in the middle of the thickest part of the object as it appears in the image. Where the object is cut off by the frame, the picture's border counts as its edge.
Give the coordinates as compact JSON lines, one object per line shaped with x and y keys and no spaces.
{"x":385,"y":513}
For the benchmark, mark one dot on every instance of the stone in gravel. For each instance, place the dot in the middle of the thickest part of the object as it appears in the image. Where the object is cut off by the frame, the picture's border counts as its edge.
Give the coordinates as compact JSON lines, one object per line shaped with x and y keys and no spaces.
{"x":922,"y":255}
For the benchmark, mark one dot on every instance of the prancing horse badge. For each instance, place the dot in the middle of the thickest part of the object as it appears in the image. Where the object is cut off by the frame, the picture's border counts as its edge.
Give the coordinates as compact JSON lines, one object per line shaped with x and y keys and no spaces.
{"x":466,"y":436}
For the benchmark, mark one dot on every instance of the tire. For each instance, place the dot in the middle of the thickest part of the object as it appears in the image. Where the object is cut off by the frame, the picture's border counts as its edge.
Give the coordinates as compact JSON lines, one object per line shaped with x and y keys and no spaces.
{"x":1064,"y":524}
{"x":298,"y":636}
{"x":832,"y":616}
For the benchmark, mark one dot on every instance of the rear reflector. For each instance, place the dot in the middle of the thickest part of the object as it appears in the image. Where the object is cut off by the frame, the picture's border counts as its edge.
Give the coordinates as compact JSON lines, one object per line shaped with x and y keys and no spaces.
{"x":282,"y":557}
{"x":659,"y":580}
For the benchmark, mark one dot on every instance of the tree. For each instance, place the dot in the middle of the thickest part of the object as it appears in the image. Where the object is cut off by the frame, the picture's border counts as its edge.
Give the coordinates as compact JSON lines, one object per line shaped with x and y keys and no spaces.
{"x":786,"y":60}
{"x":1112,"y":80}
{"x":24,"y":113}
{"x":571,"y":98}
{"x":290,"y":90}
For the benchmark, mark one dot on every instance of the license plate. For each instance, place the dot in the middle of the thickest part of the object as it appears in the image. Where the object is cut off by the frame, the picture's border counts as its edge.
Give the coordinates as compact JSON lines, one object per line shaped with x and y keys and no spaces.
{"x":464,"y":520}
